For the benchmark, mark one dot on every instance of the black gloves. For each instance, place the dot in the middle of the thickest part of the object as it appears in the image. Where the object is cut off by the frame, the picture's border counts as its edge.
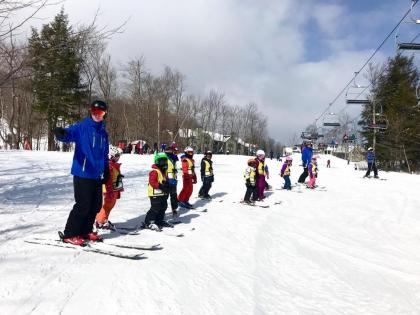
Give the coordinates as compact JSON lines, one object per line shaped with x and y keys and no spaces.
{"x":106,"y":175}
{"x":164,"y":187}
{"x":248,"y":182}
{"x":59,"y":132}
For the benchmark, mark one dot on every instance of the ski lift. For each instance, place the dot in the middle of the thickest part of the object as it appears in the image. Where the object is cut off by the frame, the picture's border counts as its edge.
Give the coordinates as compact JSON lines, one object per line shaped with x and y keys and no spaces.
{"x":381,"y":123}
{"x":356,"y":93}
{"x":310,"y":135}
{"x":408,"y":45}
{"x":331,"y":121}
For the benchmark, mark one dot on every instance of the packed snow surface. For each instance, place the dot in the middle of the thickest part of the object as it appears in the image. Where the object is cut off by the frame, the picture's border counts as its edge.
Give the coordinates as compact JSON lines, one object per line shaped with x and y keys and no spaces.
{"x":351,"y":248}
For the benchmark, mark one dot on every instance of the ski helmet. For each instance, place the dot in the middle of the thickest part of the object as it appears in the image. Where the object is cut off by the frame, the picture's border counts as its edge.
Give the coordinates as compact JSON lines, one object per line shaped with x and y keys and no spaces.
{"x":189,"y":149}
{"x":209,"y":153}
{"x":160,"y":156}
{"x":260,"y":152}
{"x":169,"y":150}
{"x":98,"y":104}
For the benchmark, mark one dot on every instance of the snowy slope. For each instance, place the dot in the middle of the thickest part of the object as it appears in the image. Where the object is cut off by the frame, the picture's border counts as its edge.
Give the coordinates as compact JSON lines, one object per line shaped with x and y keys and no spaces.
{"x":353,"y":249}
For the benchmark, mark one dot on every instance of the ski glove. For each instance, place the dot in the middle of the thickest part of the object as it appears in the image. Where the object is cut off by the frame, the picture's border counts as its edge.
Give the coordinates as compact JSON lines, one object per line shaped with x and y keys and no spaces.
{"x":194,"y":179}
{"x":106,"y":175}
{"x":164,"y":187}
{"x":59,"y":132}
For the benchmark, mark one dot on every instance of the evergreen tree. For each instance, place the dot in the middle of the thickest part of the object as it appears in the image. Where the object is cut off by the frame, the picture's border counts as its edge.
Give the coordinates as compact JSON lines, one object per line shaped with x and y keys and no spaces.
{"x":56,"y":64}
{"x":394,"y":102}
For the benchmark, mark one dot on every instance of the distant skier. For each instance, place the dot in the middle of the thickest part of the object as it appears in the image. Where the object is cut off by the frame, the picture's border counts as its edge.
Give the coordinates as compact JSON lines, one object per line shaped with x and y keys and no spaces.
{"x":90,"y":170}
{"x":261,"y":174}
{"x":328,"y":164}
{"x":278,"y":156}
{"x":207,"y":176}
{"x":113,"y":189}
{"x":371,"y":160}
{"x":307,"y":153}
{"x":163,"y":147}
{"x":172,"y":177}
{"x":188,"y":178}
{"x":313,"y":172}
{"x":285,"y":173}
{"x":158,"y":190}
{"x":271,"y":154}
{"x":250,"y":181}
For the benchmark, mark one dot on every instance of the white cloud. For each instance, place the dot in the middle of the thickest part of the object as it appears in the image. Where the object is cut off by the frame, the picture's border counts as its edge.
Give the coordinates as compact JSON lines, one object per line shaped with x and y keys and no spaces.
{"x":254,"y":51}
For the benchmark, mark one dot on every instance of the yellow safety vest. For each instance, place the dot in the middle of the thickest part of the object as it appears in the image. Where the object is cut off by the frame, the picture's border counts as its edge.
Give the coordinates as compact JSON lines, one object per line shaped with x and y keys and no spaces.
{"x":190,"y":166}
{"x":153,"y":192}
{"x":314,"y":168}
{"x":208,"y":171}
{"x":250,"y":174}
{"x":287,"y":170}
{"x":171,"y":169}
{"x":261,"y":168}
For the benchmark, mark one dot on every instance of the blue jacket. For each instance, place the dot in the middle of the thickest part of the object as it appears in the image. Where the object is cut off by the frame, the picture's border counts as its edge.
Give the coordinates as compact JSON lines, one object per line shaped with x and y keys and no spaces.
{"x":307,"y":153}
{"x":370,"y":156}
{"x":91,"y":154}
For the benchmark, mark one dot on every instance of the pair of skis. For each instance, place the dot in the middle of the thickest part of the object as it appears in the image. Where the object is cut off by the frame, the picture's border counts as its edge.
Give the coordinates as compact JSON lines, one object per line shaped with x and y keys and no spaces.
{"x":103,"y":248}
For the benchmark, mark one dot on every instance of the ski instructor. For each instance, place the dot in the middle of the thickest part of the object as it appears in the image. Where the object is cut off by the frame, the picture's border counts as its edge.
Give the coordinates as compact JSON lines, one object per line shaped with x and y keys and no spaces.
{"x":90,"y":170}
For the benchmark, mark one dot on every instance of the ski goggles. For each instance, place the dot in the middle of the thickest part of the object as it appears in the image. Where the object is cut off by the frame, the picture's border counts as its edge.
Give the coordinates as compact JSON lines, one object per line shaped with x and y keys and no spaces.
{"x":98,"y":112}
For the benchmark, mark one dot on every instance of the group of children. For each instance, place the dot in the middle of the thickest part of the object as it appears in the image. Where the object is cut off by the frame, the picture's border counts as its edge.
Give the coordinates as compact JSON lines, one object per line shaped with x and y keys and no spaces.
{"x":162,"y":184}
{"x":163,"y":181}
{"x":257,"y":171}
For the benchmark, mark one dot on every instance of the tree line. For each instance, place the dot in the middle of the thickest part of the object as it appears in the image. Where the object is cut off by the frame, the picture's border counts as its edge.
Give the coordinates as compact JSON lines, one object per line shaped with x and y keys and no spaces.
{"x":49,"y":80}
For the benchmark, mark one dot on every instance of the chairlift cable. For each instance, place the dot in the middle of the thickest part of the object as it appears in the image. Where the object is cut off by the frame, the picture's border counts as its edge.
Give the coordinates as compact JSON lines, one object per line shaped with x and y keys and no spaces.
{"x":367,"y":61}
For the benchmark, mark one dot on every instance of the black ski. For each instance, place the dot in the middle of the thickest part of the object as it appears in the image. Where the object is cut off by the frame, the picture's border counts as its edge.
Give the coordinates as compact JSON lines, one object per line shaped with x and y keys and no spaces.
{"x":90,"y":249}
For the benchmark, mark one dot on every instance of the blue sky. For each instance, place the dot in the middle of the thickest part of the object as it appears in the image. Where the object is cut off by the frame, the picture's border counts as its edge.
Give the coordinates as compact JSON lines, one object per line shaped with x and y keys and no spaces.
{"x":290,"y":57}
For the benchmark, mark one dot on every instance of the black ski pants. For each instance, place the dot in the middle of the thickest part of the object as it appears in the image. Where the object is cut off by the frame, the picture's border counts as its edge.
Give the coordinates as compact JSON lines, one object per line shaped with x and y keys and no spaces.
{"x":372,"y":166}
{"x":173,"y":196}
{"x":158,"y":206}
{"x":88,"y":197}
{"x":303,"y":176}
{"x":250,"y":191}
{"x":207,"y":182}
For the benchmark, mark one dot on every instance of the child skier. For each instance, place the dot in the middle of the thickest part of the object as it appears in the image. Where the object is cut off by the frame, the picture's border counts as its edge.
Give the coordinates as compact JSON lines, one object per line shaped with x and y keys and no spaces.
{"x":172,"y":178}
{"x":112,"y":191}
{"x":207,"y":176}
{"x":250,"y":181}
{"x":261,"y":174}
{"x":313,"y":172}
{"x":188,"y":178}
{"x":158,"y":190}
{"x":285,"y":173}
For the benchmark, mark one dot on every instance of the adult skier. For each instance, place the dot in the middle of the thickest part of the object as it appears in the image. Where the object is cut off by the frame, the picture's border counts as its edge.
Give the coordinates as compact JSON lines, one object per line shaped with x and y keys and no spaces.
{"x":307,"y":153}
{"x":371,"y":160}
{"x":90,"y":170}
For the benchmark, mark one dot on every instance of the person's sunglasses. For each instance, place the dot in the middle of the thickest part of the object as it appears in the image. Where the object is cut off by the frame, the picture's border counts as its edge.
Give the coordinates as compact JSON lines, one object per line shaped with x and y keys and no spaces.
{"x":98,"y":112}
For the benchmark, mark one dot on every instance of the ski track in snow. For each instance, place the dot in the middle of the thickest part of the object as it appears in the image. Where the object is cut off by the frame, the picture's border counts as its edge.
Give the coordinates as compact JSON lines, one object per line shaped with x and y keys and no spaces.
{"x":353,"y":249}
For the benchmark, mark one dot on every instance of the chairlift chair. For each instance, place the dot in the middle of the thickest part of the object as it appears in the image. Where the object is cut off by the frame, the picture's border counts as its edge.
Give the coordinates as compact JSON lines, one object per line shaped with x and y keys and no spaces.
{"x":408,"y":45}
{"x":381,"y":122}
{"x":355,"y":94}
{"x":331,"y":121}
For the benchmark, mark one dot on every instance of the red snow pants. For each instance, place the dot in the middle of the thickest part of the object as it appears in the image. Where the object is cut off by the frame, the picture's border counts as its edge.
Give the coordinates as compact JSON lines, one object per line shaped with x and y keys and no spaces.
{"x":187,"y":189}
